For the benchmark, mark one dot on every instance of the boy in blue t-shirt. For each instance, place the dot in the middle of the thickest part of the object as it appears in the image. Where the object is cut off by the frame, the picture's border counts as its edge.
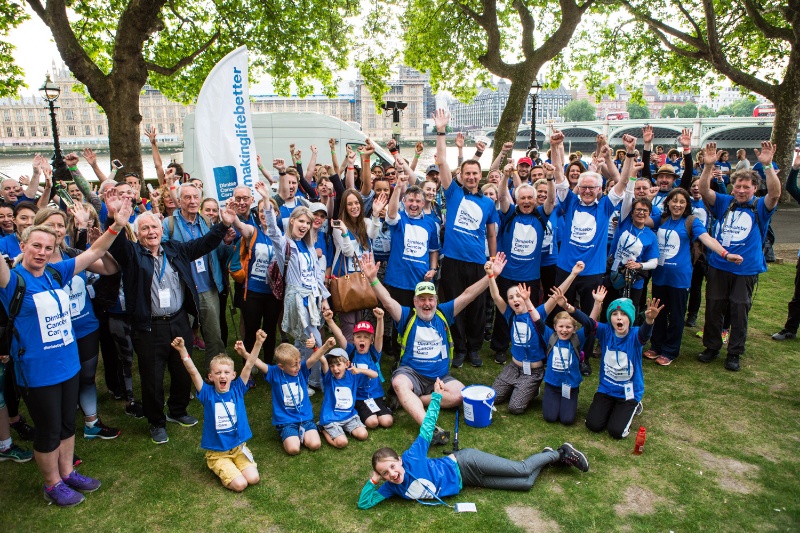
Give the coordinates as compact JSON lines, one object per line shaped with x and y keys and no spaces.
{"x":225,"y":426}
{"x":365,"y":353}
{"x":621,"y":387}
{"x":339,"y":383}
{"x":291,"y":407}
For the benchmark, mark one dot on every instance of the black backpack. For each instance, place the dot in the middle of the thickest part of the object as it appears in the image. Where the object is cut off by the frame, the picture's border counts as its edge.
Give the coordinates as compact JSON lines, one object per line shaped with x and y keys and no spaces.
{"x":551,"y":343}
{"x":14,"y":307}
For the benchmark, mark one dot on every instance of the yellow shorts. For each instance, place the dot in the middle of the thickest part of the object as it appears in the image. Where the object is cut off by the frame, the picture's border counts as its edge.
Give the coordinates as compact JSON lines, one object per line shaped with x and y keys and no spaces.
{"x":229,"y":465}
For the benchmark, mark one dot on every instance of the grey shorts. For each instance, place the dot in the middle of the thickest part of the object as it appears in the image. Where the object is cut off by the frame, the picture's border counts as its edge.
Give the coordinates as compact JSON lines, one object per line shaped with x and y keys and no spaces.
{"x":422,"y":384}
{"x":335,"y":429}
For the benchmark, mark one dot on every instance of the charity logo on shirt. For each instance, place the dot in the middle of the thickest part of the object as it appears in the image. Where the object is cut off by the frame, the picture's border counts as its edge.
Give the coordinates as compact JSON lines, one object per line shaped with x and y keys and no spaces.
{"x":520,"y":333}
{"x":415,"y":241}
{"x":77,"y":296}
{"x":616,"y":366}
{"x":561,"y":358}
{"x":523,"y":241}
{"x":428,"y":344}
{"x":738,"y":225}
{"x":547,"y":239}
{"x":292,"y":394}
{"x":55,"y":324}
{"x":584,"y":226}
{"x":701,"y":214}
{"x":628,"y":247}
{"x":261,"y":256}
{"x":421,"y":489}
{"x":344,"y":398}
{"x":469,"y":215}
{"x":223,"y":422}
{"x":669,"y":243}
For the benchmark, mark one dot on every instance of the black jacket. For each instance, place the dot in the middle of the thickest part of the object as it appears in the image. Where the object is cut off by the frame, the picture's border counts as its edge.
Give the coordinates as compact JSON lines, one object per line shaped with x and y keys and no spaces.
{"x":137,"y":266}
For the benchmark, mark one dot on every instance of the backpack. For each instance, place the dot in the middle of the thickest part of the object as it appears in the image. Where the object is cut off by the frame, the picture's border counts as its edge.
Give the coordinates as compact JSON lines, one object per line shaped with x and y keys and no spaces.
{"x":404,"y":339}
{"x":239,"y":262}
{"x":551,"y":343}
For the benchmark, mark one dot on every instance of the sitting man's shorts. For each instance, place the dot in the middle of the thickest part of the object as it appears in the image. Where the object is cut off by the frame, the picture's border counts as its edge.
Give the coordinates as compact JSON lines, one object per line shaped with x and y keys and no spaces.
{"x":336,"y":429}
{"x":230,"y":464}
{"x":372,"y":406}
{"x":422,"y":384}
{"x":296,"y":429}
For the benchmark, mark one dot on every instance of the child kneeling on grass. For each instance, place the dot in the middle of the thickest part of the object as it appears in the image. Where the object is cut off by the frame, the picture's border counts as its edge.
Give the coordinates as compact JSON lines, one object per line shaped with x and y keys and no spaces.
{"x":365,"y":353}
{"x":562,"y":377}
{"x":621,"y":387}
{"x":416,"y":477}
{"x":225,"y":426}
{"x":291,"y":408}
{"x":339,"y":383}
{"x":519,"y":382}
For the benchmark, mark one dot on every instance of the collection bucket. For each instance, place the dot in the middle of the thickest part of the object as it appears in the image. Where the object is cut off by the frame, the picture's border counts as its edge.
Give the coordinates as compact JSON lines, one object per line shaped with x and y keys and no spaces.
{"x":478,"y":405}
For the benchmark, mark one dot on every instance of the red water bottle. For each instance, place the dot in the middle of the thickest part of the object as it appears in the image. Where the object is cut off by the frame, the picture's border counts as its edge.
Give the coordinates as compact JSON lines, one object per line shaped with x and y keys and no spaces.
{"x":638,"y":446}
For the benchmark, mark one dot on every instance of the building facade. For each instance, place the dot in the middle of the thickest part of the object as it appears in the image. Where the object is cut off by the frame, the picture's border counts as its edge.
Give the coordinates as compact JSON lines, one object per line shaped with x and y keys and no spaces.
{"x":342,"y":106}
{"x":410,"y":87}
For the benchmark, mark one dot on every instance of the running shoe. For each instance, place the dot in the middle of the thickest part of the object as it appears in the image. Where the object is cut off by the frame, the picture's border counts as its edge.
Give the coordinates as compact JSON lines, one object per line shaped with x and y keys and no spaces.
{"x":16,"y":454}
{"x":63,"y":496}
{"x":100,"y":431}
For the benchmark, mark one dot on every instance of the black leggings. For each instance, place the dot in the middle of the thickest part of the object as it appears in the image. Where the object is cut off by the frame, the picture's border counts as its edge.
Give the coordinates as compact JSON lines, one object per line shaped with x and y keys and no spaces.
{"x":481,"y":469}
{"x":52,"y":409}
{"x":261,"y":310}
{"x":614,"y":414}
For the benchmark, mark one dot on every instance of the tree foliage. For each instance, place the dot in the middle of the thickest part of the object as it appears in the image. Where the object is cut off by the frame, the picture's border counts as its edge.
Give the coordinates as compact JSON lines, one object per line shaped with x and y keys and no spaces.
{"x":685,"y":110}
{"x":578,"y":111}
{"x":11,"y":15}
{"x":740,"y":108}
{"x":637,"y":111}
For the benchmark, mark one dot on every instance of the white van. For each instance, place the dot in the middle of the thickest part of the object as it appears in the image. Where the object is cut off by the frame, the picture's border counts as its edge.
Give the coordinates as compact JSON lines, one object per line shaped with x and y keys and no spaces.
{"x":275,"y":131}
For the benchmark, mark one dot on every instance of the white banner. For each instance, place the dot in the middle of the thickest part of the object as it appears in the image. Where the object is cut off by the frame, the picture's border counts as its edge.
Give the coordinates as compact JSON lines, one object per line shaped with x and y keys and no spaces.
{"x":223,"y":129}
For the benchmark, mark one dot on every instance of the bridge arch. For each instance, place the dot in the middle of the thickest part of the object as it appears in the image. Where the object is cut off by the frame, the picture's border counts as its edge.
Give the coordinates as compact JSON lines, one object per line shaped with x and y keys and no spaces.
{"x":659,"y":132}
{"x":738,"y":132}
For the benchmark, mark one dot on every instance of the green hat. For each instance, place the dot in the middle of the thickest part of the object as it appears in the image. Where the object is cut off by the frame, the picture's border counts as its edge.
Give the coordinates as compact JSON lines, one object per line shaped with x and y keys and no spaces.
{"x":425,"y":287}
{"x":622,"y":304}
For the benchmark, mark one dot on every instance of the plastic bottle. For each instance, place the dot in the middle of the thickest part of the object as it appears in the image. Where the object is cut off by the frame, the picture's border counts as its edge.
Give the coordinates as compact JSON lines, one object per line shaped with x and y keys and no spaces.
{"x":638,"y":446}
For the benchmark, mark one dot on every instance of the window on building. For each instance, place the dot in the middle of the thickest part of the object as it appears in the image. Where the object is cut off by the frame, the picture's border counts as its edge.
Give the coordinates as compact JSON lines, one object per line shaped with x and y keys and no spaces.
{"x":72,"y":130}
{"x":158,"y":112}
{"x":6,"y":115}
{"x":33,"y":131}
{"x":86,"y":114}
{"x":18,"y":115}
{"x":69,"y":115}
{"x":9,"y":131}
{"x":147,"y":113}
{"x":160,"y":128}
{"x":172,"y":127}
{"x":100,"y":129}
{"x":171,"y":112}
{"x":372,"y":123}
{"x":30,"y":115}
{"x":21,"y":131}
{"x":87,"y":129}
{"x":45,"y":131}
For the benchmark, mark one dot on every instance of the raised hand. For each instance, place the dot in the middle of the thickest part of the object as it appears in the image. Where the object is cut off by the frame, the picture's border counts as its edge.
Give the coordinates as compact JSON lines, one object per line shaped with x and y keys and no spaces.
{"x":369,"y":267}
{"x":419,"y":148}
{"x":155,"y":195}
{"x":637,"y":167}
{"x":578,"y":268}
{"x":600,"y":293}
{"x":710,"y":154}
{"x":351,"y":156}
{"x":332,"y":143}
{"x":600,"y":141}
{"x":279,"y":165}
{"x":685,"y":139}
{"x":767,"y":153}
{"x":314,"y":149}
{"x":228,"y":215}
{"x":261,"y":335}
{"x":378,"y":312}
{"x":150,"y":131}
{"x":556,"y":138}
{"x":560,"y":298}
{"x":71,"y":159}
{"x":507,"y":147}
{"x":509,"y":169}
{"x":441,"y":118}
{"x":178,"y":343}
{"x":89,"y":156}
{"x":647,"y":134}
{"x":499,"y":263}
{"x":261,"y":188}
{"x":38,"y":161}
{"x":391,"y":144}
{"x":94,"y":234}
{"x":239,"y":347}
{"x":327,"y":314}
{"x":653,"y":309}
{"x":310,"y":342}
{"x":169,"y":176}
{"x":24,"y":181}
{"x":460,"y":140}
{"x":369,"y":148}
{"x":379,"y":203}
{"x":488,"y":267}
{"x":549,"y":169}
{"x":524,"y":291}
{"x":480,"y":146}
{"x":330,"y":343}
{"x":123,"y":214}
{"x":629,"y":141}
{"x":81,"y":215}
{"x":298,"y":156}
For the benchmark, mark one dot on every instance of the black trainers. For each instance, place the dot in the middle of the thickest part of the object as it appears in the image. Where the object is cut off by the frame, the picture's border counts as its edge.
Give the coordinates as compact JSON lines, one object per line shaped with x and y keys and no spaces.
{"x":732,"y":363}
{"x":22,"y":428}
{"x":691,"y":321}
{"x":100,"y":431}
{"x":186,"y":421}
{"x":586,"y":368}
{"x":134,"y":409}
{"x":475,"y":359}
{"x":707,"y":355}
{"x":392,"y":401}
{"x":440,"y":436}
{"x":458,"y":360}
{"x":500,"y":358}
{"x":784,"y":335}
{"x":572,"y":457}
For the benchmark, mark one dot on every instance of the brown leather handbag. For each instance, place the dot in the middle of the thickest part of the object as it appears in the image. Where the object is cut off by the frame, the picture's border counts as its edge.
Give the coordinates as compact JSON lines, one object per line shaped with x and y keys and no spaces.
{"x":351,"y":292}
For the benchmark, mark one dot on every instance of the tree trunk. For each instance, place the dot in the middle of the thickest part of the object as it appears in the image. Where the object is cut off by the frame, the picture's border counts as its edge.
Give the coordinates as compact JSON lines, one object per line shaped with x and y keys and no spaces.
{"x":518,"y":97}
{"x":787,"y":120}
{"x":124,"y":119}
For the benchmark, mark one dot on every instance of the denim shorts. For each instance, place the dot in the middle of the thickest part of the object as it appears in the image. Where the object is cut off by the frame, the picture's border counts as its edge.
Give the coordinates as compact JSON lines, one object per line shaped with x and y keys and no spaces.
{"x":294,"y":429}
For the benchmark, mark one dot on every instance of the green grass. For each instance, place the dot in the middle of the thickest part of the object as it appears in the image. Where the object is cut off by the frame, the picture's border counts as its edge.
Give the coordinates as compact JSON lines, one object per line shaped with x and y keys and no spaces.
{"x":721,"y":455}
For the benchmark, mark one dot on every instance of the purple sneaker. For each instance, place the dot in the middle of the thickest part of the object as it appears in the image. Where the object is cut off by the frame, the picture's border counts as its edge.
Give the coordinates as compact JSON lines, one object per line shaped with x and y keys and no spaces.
{"x":80,"y":482}
{"x":63,"y":496}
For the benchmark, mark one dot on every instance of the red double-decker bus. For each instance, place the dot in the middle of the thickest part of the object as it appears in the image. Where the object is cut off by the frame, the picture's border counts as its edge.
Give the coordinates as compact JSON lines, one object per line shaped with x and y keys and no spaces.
{"x":764,"y":110}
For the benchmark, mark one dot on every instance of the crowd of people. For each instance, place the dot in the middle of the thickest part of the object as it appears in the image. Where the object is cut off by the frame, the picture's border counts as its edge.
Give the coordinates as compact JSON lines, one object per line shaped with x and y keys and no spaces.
{"x":549,"y":261}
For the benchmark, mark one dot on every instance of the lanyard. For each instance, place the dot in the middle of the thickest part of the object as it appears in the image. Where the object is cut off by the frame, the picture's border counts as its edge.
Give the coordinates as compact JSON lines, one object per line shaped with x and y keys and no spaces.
{"x":563,"y":362}
{"x":303,"y":249}
{"x":234,"y":425}
{"x":163,"y":268}
{"x":54,"y":294}
{"x":624,"y":247}
{"x":620,"y":366}
{"x":734,"y":220}
{"x":438,"y":501}
{"x":188,"y":227}
{"x":295,"y":401}
{"x":668,"y":230}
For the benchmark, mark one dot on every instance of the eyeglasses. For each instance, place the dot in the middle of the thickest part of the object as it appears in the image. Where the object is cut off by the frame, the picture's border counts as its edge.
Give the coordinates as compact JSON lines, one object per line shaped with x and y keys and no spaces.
{"x":642,"y":211}
{"x":134,"y":174}
{"x":241,"y":198}
{"x":391,"y":174}
{"x":588,"y":187}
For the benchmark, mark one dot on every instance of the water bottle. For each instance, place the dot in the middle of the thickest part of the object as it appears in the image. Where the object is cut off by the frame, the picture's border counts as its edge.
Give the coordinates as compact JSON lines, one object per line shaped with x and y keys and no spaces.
{"x":638,"y":446}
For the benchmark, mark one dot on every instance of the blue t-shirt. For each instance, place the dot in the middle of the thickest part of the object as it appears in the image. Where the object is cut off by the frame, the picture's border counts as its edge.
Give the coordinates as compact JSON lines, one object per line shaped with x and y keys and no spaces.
{"x":631,"y":242}
{"x":339,"y":398}
{"x":225,"y":424}
{"x":263,"y":254}
{"x":9,"y":245}
{"x":424,"y":475}
{"x":465,"y":224}
{"x":427,"y":350}
{"x":525,"y":339}
{"x":44,"y":326}
{"x":81,"y":309}
{"x":412,"y":239}
{"x":585,"y":236}
{"x":699,"y":210}
{"x":286,"y":212}
{"x":521,"y":239}
{"x":739,"y":235}
{"x":369,"y":387}
{"x":290,"y":403}
{"x":189,"y":231}
{"x":675,"y":253}
{"x":622,"y":362}
{"x":659,"y":198}
{"x":550,"y":241}
{"x":758,"y":167}
{"x":324,"y":242}
{"x":564,"y":364}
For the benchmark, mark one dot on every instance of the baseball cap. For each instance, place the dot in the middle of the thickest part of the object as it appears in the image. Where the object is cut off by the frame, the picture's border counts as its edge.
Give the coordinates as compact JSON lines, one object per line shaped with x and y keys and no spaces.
{"x":337,"y":352}
{"x":364,"y":326}
{"x":432,"y":168}
{"x":318,"y":206}
{"x":525,"y":160}
{"x":667,"y":169}
{"x":425,"y":287}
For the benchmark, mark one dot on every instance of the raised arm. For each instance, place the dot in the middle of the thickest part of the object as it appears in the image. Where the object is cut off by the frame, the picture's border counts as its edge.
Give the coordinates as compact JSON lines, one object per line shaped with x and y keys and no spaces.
{"x":493,"y":289}
{"x":504,"y":151}
{"x":442,"y":119}
{"x":261,"y":336}
{"x":370,"y":270}
{"x":773,"y":182}
{"x":709,"y":158}
{"x":91,"y":158}
{"x":336,"y":331}
{"x":366,"y":171}
{"x":334,"y":158}
{"x":322,"y":350}
{"x":151,"y":134}
{"x":283,"y":183}
{"x":393,"y":208}
{"x":72,"y":164}
{"x":418,"y":149}
{"x":264,"y":171}
{"x":188,"y":364}
{"x":550,"y":304}
{"x":312,"y":163}
{"x":378,"y":312}
{"x":647,"y":149}
{"x":472,"y":292}
{"x":480,"y":146}
{"x":685,"y":140}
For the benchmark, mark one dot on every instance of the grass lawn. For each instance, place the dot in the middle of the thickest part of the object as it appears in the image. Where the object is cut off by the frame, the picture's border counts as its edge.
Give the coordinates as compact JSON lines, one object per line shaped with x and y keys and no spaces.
{"x":721,"y":455}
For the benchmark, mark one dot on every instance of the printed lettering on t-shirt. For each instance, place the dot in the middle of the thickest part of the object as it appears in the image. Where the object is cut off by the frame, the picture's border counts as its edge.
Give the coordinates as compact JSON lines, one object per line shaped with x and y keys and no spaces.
{"x":738,"y":225}
{"x":261,"y":256}
{"x":628,"y":247}
{"x":584,"y":227}
{"x":668,"y":248}
{"x":427,"y":343}
{"x":344,"y":398}
{"x":224,"y":423}
{"x":547,"y":239}
{"x":415,"y":241}
{"x":55,"y":325}
{"x":77,"y":296}
{"x":469,"y":215}
{"x":616,"y":366}
{"x":292,"y":393}
{"x":523,"y":241}
{"x":562,"y":358}
{"x":421,"y":489}
{"x":521,"y":333}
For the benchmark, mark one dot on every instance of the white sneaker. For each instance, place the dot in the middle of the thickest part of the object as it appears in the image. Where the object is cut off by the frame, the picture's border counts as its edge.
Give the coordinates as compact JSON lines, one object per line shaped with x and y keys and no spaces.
{"x":311,"y":392}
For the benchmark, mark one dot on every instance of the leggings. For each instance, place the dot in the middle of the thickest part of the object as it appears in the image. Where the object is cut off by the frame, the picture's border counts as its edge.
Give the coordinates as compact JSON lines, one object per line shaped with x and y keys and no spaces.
{"x":261,"y":310}
{"x":52,"y":409}
{"x":481,"y":469}
{"x":315,"y":377}
{"x":556,"y":408}
{"x":88,"y":347}
{"x":10,"y":391}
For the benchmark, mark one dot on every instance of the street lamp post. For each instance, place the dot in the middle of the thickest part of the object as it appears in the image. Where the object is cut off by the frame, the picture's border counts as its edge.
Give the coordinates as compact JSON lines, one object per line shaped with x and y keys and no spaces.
{"x":535,"y":89}
{"x":50,"y":92}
